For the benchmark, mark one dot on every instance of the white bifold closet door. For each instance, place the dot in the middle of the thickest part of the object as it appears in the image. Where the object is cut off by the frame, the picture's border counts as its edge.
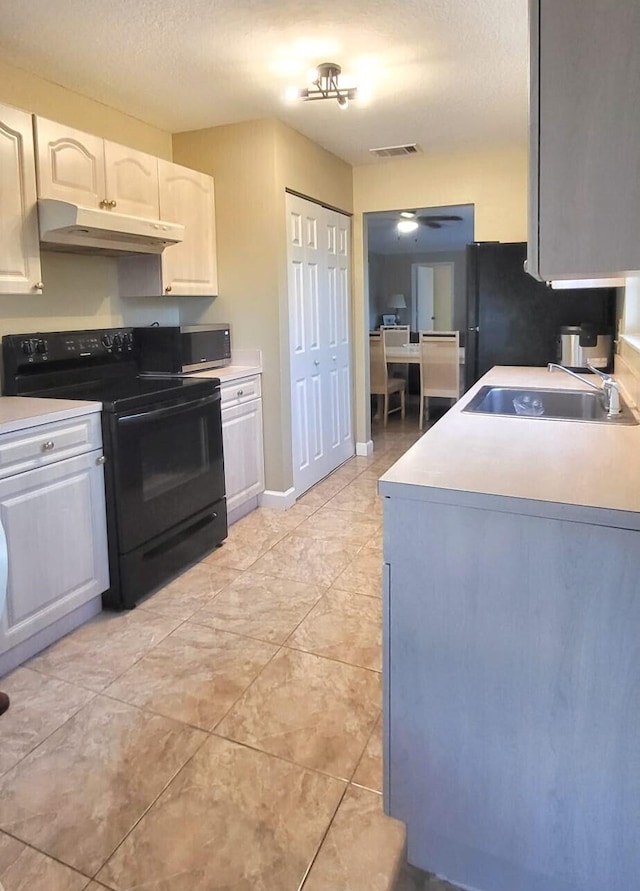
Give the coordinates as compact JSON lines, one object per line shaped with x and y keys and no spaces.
{"x":318,"y":257}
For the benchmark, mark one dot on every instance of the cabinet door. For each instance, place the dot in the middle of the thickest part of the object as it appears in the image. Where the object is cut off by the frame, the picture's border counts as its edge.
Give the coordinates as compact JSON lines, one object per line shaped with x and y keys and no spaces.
{"x":54,"y":522}
{"x":186,"y":196}
{"x":243,"y":452}
{"x":19,"y":247}
{"x":70,"y":164}
{"x":585,"y":115}
{"x":131,"y":181}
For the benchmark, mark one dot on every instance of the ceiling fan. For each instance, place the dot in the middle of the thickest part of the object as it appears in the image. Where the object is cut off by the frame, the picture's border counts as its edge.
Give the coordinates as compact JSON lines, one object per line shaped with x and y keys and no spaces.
{"x":436,"y":221}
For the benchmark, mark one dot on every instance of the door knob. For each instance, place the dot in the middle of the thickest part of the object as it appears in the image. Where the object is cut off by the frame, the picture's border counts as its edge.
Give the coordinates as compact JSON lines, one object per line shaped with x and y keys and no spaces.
{"x":101,"y":460}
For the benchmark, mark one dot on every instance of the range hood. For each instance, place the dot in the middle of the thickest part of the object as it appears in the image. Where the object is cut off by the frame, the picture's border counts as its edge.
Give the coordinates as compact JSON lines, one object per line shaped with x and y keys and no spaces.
{"x":71,"y":227}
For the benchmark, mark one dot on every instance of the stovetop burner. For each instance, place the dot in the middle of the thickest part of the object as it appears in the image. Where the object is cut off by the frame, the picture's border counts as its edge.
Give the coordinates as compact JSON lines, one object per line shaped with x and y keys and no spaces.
{"x":131,"y":392}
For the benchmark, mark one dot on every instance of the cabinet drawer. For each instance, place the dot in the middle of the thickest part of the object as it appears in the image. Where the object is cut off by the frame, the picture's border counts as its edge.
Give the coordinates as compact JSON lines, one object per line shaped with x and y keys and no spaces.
{"x":46,"y":443}
{"x":237,"y":392}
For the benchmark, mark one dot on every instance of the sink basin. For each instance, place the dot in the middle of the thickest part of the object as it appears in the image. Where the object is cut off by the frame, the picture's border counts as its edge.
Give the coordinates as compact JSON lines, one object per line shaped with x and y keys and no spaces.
{"x":558,"y":405}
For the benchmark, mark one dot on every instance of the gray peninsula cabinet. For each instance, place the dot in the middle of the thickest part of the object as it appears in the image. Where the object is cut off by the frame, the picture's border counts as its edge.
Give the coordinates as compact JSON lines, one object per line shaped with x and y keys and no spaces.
{"x":512,"y":696}
{"x":584,"y":189}
{"x":511,"y":648}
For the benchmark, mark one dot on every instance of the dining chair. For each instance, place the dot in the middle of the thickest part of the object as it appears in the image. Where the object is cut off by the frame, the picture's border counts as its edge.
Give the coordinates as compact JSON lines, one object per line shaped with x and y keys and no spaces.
{"x":439,"y":366}
{"x":395,"y":335}
{"x":380,"y":382}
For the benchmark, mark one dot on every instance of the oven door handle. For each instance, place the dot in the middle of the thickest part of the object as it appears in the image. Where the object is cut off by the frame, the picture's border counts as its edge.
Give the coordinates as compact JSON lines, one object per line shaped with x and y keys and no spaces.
{"x":170,"y":411}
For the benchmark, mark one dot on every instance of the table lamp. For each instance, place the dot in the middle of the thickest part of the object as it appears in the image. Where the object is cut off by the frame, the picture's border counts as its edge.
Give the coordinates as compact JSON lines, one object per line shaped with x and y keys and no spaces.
{"x":397,"y":301}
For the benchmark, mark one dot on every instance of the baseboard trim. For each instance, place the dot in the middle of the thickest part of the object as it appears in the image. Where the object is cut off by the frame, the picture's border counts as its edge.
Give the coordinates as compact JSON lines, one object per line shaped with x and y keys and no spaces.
{"x":242,"y":510}
{"x":278,"y":500}
{"x":364,"y":449}
{"x":46,"y":636}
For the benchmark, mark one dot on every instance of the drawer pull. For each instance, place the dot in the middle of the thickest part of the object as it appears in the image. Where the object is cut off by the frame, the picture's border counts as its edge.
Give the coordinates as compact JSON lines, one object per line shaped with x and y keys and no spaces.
{"x":240,"y":393}
{"x":48,"y":445}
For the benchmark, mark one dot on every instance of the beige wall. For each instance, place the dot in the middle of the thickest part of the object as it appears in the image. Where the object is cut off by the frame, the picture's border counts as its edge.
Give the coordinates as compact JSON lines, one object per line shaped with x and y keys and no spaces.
{"x":253,"y":163}
{"x":494,"y":182}
{"x":50,"y":100}
{"x":79,"y":291}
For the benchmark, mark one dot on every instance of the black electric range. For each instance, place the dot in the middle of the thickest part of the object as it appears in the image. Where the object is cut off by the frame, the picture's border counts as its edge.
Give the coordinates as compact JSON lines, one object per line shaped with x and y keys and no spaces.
{"x":162,"y":437}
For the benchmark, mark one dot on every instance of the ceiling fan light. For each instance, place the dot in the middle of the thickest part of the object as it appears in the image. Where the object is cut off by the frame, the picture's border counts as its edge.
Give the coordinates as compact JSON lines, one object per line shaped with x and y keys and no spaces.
{"x":406,"y":226}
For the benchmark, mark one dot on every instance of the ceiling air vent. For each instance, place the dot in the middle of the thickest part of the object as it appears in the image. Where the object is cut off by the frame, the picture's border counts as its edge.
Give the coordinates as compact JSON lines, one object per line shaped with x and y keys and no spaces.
{"x":395,"y":151}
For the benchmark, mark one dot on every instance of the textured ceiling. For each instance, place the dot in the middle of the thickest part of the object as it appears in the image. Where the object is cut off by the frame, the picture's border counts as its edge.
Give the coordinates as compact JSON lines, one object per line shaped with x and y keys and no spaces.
{"x":447,"y":74}
{"x":383,"y":236}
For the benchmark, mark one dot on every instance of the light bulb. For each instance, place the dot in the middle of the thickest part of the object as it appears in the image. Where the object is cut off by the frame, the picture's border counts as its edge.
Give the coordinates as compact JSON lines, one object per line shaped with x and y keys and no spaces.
{"x":406,"y":226}
{"x":408,"y":214}
{"x":291,"y":94}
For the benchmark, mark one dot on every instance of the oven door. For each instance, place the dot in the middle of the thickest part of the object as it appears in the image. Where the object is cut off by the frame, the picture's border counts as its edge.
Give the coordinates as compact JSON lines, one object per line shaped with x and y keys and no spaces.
{"x":167,"y":465}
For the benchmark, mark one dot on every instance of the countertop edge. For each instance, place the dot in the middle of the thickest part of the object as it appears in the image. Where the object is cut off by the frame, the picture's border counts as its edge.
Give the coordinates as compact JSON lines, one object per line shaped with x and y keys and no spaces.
{"x":480,"y":485}
{"x":72,"y":409}
{"x":511,"y":504}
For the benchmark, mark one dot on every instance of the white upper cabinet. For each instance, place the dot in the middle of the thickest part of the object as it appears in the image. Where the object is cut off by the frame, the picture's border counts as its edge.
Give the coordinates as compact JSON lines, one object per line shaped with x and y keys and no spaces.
{"x":186,"y":196}
{"x":131,"y":181}
{"x":19,"y":249}
{"x":93,"y":172}
{"x":70,"y":164}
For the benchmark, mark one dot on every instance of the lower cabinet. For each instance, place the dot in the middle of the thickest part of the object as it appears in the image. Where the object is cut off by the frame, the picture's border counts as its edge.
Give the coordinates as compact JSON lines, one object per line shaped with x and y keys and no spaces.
{"x":243,"y":453}
{"x":54,"y":522}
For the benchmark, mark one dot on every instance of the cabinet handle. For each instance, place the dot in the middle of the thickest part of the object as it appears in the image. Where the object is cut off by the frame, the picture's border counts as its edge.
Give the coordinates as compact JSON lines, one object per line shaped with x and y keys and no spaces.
{"x":39,"y":286}
{"x":112,"y":203}
{"x":240,"y":393}
{"x":104,"y":203}
{"x":315,"y":362}
{"x":101,"y":460}
{"x":168,"y":289}
{"x":48,"y":445}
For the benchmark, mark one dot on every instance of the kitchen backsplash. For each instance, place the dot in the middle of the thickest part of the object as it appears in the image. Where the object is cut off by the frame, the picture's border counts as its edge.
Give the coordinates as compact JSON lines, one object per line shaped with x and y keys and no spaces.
{"x":81,"y":292}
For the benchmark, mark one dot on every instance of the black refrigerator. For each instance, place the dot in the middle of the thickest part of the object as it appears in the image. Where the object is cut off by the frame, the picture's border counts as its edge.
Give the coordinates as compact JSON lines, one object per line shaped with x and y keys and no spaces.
{"x":512,"y":319}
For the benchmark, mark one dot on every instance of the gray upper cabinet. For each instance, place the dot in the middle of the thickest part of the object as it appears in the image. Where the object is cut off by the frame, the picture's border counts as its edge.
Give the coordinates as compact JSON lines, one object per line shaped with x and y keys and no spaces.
{"x":584,"y":188}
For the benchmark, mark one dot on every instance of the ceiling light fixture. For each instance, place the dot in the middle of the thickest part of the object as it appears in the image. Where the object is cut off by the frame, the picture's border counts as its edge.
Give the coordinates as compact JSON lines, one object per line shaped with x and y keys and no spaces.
{"x":406,"y":226}
{"x":325,"y":85}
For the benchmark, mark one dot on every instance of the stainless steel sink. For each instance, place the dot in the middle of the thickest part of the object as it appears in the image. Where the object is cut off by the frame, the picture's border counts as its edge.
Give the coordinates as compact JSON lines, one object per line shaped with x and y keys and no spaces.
{"x":558,"y":405}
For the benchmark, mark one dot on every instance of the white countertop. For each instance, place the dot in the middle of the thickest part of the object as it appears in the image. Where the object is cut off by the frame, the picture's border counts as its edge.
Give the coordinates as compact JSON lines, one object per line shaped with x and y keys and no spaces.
{"x":21,"y":412}
{"x":559,"y":468}
{"x":230,"y":372}
{"x":244,"y":363}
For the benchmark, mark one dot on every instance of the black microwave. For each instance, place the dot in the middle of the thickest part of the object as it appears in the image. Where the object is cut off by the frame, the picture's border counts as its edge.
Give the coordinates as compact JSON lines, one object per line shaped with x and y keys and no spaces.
{"x":181,"y":349}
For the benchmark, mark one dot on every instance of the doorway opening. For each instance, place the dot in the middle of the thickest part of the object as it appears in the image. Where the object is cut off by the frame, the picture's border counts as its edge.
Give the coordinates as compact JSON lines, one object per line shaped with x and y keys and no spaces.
{"x":415,"y":276}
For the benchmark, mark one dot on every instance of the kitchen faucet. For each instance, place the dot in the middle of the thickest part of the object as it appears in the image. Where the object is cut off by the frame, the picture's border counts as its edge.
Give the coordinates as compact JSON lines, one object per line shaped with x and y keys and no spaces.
{"x":609,"y":387}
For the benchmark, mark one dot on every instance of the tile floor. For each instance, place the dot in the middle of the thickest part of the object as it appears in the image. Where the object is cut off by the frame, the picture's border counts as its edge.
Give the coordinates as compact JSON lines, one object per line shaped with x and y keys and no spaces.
{"x":226,"y":733}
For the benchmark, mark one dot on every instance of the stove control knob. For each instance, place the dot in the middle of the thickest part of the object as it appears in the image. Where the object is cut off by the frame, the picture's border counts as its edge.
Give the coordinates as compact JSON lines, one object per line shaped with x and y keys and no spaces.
{"x":27,"y":347}
{"x":41,"y":346}
{"x":107,"y":341}
{"x":118,"y":342}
